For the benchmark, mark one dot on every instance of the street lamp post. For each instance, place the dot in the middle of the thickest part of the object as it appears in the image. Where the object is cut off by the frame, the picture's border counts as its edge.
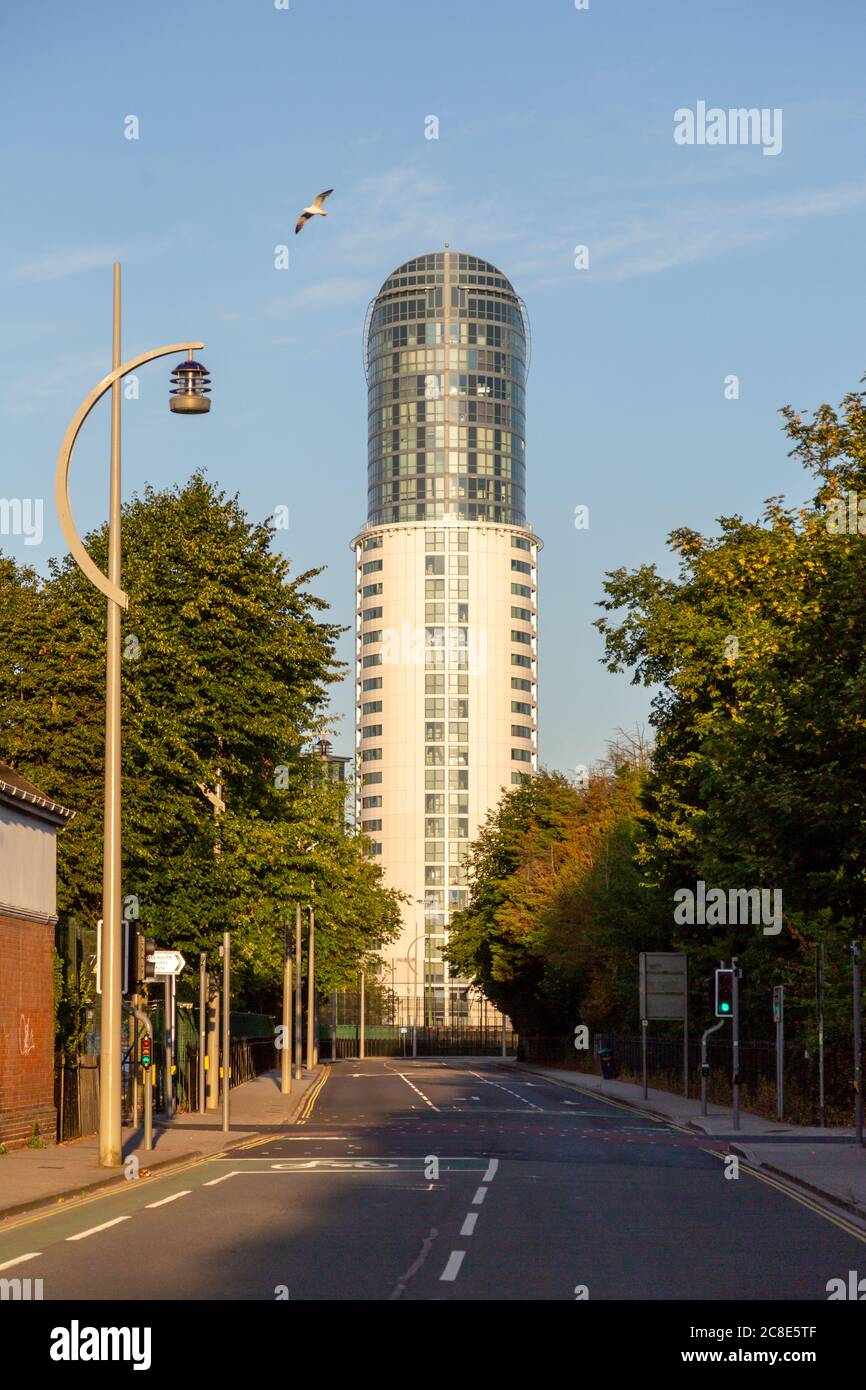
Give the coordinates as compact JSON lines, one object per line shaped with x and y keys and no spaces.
{"x":189,"y":398}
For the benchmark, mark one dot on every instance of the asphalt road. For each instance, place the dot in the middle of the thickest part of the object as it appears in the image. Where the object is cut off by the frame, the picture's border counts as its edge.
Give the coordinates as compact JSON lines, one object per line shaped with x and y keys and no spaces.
{"x":446,"y":1179}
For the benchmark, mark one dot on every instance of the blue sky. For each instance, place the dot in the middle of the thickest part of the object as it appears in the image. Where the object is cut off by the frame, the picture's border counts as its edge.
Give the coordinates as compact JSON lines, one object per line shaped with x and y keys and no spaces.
{"x":555,"y":129}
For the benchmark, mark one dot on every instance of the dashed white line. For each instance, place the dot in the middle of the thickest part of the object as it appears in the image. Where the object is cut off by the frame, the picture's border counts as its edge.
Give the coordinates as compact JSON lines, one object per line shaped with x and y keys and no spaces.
{"x":487,"y":1082}
{"x":95,"y":1229}
{"x":479,"y":1196}
{"x":213,"y":1182}
{"x":452,"y":1269}
{"x":420,"y":1093}
{"x":20,"y":1259}
{"x":164,"y":1200}
{"x":492,"y":1169}
{"x":469,"y":1224}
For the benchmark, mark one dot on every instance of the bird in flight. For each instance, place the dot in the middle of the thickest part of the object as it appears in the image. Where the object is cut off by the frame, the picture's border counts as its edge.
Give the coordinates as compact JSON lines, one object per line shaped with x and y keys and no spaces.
{"x":314,"y":210}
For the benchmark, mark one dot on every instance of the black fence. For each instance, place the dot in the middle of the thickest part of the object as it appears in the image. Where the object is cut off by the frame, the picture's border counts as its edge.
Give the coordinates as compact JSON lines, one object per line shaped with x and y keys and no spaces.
{"x":665,"y":1062}
{"x":76,"y":1082}
{"x":386,"y":1041}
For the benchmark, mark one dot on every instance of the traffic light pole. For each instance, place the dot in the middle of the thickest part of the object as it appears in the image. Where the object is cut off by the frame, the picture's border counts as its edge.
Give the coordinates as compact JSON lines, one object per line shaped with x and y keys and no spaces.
{"x":705,"y":1066}
{"x":147,"y":1062}
{"x":227,"y":1043}
{"x":854,"y":949}
{"x":202,"y":1030}
{"x":286,"y":1050}
{"x":168,"y":983}
{"x":299,"y":1041}
{"x":735,"y":1038}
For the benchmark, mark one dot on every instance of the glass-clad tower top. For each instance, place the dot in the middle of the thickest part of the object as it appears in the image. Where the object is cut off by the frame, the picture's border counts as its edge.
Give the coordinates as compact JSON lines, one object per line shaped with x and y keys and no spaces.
{"x":446,"y":345}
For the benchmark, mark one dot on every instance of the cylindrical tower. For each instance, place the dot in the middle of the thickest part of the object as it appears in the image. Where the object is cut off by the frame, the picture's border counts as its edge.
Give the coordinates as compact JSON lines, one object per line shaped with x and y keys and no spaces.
{"x":446,"y":596}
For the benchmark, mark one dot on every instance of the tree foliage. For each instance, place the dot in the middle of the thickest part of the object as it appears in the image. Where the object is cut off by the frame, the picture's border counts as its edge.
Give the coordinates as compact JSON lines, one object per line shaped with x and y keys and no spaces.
{"x":226,"y":672}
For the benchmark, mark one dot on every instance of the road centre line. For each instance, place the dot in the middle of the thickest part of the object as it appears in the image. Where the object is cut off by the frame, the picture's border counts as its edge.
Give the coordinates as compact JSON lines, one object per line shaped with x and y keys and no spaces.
{"x":479,"y":1196}
{"x":425,"y":1099}
{"x":452,"y":1268}
{"x":165,"y":1200}
{"x":492,"y":1169}
{"x":469,"y":1224}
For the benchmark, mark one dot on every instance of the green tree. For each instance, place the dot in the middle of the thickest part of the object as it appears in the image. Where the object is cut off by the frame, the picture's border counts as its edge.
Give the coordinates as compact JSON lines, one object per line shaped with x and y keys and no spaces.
{"x":227,"y":668}
{"x":757,"y":652}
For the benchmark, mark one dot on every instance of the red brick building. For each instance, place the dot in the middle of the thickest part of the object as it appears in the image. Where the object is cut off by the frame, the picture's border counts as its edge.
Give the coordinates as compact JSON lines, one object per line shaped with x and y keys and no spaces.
{"x":29,"y":825}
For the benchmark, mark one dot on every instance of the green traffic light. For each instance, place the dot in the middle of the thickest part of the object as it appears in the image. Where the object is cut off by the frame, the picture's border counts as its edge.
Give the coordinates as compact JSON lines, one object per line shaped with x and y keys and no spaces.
{"x":725,"y":1008}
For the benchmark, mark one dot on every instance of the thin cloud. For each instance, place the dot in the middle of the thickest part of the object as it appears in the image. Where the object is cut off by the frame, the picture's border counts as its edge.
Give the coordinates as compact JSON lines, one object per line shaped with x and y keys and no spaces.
{"x":625,"y":247}
{"x":59,"y":263}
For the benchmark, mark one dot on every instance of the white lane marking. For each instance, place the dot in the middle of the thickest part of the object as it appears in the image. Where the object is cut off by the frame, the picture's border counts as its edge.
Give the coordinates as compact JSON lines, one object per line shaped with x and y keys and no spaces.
{"x":310,"y":1139}
{"x":479,"y":1196}
{"x":469,"y":1224}
{"x":173,"y":1198}
{"x":19,"y":1259}
{"x":213,"y":1182}
{"x":417,"y":1092}
{"x":452,"y":1269}
{"x":492,"y":1169}
{"x":487,"y":1082}
{"x":82,"y":1235}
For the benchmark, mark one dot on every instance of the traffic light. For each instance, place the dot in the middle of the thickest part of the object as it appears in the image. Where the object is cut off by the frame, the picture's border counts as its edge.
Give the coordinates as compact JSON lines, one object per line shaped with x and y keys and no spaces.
{"x":724,"y":993}
{"x":149,"y":947}
{"x":707,"y":986}
{"x":146,"y":1054}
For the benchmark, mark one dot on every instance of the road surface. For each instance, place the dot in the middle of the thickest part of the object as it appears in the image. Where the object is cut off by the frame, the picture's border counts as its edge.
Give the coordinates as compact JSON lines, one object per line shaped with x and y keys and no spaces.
{"x":446,"y":1179}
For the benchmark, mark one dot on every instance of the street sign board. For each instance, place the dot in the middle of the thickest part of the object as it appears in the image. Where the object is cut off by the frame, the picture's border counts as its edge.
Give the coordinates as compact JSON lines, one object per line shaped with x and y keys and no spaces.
{"x":663,"y":985}
{"x":168,"y":962}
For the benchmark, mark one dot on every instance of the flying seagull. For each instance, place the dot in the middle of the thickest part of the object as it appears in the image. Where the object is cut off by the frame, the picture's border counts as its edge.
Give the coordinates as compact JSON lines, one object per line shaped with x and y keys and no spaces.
{"x":314,"y":210}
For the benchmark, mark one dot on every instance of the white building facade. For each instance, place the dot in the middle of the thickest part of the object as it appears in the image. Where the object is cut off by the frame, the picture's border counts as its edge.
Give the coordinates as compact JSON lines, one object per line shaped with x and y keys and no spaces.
{"x":446,"y":575}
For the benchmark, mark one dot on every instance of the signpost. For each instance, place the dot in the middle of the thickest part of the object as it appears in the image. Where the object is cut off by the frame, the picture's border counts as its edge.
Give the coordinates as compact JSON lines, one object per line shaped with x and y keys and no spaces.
{"x":664,"y":994}
{"x":779,"y":1020}
{"x":167,"y":962}
{"x":819,"y":989}
{"x":167,"y":965}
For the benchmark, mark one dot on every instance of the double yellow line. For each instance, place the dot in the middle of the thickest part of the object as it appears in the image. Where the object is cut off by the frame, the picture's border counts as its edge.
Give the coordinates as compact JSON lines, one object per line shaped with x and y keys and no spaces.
{"x":312,"y":1097}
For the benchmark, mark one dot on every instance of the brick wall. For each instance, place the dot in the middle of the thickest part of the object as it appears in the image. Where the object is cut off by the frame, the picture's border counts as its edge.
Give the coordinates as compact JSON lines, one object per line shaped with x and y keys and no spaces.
{"x":26,"y":1030}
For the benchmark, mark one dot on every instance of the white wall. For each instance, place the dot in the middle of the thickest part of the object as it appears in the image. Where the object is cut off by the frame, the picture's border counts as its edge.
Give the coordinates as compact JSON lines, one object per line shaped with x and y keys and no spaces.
{"x":28,"y":850}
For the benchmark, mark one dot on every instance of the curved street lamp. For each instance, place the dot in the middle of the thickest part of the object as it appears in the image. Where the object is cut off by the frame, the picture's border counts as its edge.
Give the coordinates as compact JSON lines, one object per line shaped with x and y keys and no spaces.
{"x":189,"y":397}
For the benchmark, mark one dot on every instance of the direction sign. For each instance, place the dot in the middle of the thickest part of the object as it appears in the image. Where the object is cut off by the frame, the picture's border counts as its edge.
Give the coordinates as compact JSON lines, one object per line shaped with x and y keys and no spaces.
{"x":663,"y":985}
{"x":167,"y":962}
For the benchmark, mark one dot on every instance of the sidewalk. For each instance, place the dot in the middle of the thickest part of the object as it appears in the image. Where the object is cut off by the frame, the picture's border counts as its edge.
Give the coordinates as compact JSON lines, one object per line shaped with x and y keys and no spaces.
{"x":826,"y":1162}
{"x":32,"y":1178}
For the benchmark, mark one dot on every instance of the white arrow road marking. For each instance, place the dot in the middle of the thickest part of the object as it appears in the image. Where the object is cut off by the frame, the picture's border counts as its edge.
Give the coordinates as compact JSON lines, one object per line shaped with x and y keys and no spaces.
{"x":20,"y":1259}
{"x":82,"y":1235}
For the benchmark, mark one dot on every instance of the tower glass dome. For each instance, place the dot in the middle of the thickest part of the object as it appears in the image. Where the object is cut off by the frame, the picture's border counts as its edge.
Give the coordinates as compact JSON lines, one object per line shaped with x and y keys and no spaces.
{"x":446,"y":357}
